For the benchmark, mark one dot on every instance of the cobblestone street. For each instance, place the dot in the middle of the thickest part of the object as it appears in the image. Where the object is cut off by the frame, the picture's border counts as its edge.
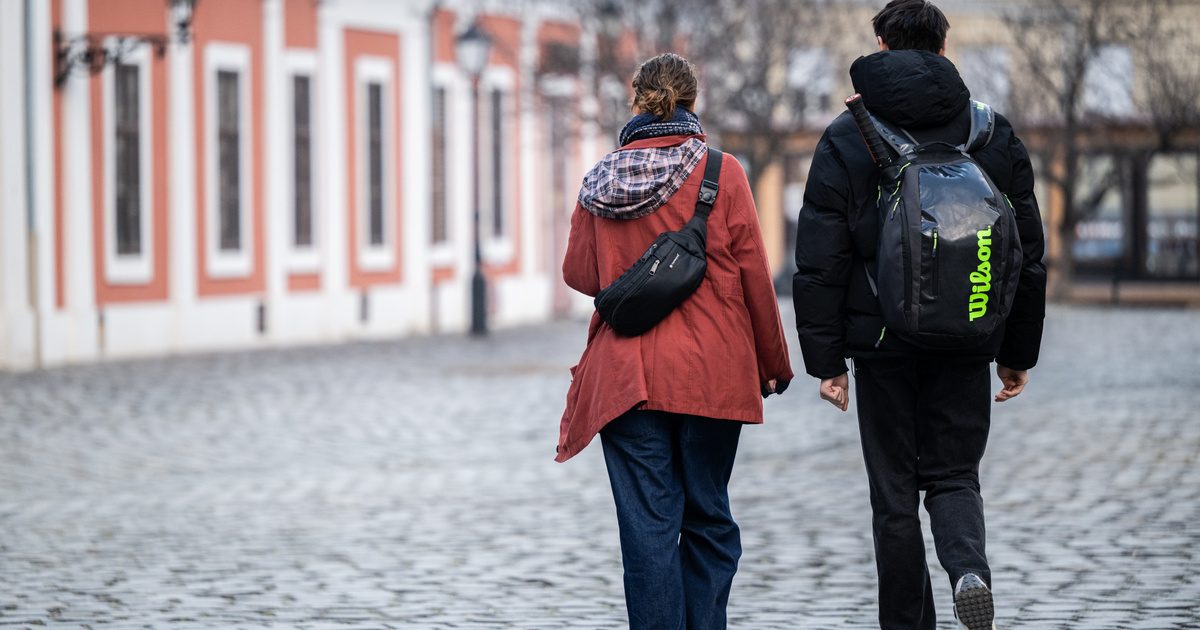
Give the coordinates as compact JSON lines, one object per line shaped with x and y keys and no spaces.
{"x":411,"y":484}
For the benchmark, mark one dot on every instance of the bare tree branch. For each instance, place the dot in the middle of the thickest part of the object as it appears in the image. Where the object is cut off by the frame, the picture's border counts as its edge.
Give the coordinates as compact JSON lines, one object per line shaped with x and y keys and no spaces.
{"x":744,"y":50}
{"x":1068,"y":52}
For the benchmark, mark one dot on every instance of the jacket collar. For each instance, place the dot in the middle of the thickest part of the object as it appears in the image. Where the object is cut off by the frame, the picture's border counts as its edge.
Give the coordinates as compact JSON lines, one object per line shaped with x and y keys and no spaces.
{"x":664,"y":141}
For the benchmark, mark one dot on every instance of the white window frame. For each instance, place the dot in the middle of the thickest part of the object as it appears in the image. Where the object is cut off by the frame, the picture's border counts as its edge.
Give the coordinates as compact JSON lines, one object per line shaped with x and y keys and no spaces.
{"x":497,"y":249}
{"x":302,"y":258}
{"x":132,"y":269}
{"x":447,"y":77}
{"x":220,"y":263}
{"x":375,"y":69}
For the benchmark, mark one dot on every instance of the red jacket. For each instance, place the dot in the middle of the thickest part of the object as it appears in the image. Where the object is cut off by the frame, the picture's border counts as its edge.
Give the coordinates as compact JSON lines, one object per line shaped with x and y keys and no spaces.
{"x":711,"y":356}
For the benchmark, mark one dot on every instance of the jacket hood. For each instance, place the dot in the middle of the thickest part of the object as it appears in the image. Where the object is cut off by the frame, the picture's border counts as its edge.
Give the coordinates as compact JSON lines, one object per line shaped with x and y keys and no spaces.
{"x":910,"y":88}
{"x":632,"y":183}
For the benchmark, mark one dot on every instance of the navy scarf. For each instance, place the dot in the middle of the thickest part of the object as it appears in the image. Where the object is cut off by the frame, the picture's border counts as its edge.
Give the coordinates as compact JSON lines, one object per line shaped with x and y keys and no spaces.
{"x":642,"y":126}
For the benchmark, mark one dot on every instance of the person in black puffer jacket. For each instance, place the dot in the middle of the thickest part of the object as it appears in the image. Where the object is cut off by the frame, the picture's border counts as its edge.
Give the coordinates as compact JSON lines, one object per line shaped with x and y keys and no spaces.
{"x":923,"y":415}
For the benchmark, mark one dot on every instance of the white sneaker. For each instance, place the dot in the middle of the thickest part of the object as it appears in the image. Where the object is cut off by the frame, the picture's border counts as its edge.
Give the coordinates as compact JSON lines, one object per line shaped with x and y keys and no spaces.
{"x":973,"y":603}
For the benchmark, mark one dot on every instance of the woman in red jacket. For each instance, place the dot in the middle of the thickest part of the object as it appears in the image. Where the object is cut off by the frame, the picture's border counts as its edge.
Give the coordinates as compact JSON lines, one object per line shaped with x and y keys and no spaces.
{"x":669,"y":404}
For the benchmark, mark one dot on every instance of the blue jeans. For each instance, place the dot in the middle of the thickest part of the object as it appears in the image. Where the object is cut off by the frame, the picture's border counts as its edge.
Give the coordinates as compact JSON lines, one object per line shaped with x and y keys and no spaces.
{"x":679,"y":544}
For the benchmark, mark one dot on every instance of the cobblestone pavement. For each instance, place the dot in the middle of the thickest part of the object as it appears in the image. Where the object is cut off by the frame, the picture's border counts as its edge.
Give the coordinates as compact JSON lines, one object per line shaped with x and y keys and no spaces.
{"x":411,"y":485}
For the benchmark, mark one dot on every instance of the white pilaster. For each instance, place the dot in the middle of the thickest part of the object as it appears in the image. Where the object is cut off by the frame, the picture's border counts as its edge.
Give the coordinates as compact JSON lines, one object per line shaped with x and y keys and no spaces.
{"x":331,"y":166}
{"x":276,"y":238}
{"x":77,"y":162}
{"x":41,"y":84}
{"x":589,"y":106}
{"x":416,"y":174}
{"x":17,"y":324}
{"x":533,"y":220}
{"x":181,"y":144}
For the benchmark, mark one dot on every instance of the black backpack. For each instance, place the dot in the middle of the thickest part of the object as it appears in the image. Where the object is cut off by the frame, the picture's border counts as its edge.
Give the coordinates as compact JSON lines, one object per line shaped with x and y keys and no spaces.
{"x":949,"y":253}
{"x":668,"y":272}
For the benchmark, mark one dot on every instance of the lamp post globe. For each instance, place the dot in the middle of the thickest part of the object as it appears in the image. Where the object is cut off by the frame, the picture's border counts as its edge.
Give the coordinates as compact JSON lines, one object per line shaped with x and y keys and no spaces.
{"x":182,"y":11}
{"x":472,"y":48}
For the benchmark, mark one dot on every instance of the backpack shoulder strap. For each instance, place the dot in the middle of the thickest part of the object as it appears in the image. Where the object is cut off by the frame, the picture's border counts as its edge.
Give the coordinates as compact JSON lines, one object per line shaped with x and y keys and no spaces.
{"x":710,"y":186}
{"x":903,"y":144}
{"x":983,"y":124}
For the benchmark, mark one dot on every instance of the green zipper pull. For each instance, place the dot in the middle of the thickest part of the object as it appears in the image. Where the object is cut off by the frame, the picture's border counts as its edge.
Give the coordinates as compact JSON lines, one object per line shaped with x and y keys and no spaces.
{"x":881,"y":334}
{"x":935,"y":242}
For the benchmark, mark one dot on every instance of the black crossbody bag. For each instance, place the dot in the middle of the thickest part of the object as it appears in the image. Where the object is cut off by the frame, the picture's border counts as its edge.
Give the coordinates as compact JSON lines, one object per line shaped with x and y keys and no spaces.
{"x":668,"y":272}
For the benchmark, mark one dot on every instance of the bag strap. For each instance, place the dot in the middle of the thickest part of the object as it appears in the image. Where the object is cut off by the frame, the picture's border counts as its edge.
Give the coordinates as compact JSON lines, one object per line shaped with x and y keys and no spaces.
{"x":983,"y":124}
{"x":903,"y":144}
{"x":710,"y":186}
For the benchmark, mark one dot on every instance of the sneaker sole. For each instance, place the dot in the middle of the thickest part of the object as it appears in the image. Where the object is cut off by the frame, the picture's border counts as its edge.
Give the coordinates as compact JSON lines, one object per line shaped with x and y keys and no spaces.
{"x":975,"y":608}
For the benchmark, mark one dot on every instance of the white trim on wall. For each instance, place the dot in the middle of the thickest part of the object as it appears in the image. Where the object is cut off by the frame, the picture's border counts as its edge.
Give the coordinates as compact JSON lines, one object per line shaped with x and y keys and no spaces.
{"x":555,"y":218}
{"x":182,"y":209}
{"x":384,"y":16}
{"x":18,"y":324}
{"x":498,"y":248}
{"x":302,"y":62}
{"x":133,"y":269}
{"x":375,"y":69}
{"x":559,"y":86}
{"x":220,"y":263}
{"x":447,"y":77}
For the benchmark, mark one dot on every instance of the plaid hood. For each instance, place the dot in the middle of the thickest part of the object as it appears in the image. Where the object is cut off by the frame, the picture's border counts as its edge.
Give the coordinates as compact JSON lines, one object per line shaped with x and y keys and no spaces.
{"x":632,"y":183}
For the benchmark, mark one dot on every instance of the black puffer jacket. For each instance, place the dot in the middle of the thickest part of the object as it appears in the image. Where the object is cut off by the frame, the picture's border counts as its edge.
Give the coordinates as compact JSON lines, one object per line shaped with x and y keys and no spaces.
{"x":836,"y":313}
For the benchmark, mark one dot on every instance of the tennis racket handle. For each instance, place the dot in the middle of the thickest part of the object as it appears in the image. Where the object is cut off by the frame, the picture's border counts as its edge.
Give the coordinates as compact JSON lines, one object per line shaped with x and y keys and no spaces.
{"x":875,"y":144}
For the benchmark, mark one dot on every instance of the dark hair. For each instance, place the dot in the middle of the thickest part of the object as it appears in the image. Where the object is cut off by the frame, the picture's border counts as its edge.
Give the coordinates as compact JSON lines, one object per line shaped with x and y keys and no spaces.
{"x":663,"y":83}
{"x":912,"y":25}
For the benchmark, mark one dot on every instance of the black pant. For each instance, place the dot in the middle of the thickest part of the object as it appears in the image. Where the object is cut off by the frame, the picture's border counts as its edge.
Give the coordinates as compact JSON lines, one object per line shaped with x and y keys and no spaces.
{"x":924,"y":426}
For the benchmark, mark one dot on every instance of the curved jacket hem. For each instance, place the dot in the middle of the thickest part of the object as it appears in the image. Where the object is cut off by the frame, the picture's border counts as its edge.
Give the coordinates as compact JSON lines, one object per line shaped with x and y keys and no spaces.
{"x":568,"y":447}
{"x":715,"y":413}
{"x":571,"y":448}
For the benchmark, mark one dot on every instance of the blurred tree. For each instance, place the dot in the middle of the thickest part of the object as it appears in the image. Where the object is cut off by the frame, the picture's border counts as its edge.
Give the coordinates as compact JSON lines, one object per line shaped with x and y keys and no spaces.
{"x":1169,"y":81}
{"x":1075,"y":80}
{"x":759,"y":61}
{"x":1171,"y":77}
{"x":626,"y":32}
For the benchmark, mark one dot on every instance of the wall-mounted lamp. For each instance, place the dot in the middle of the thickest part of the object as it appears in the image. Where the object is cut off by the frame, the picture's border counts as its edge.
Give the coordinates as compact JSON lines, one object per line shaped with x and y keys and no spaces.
{"x":93,"y":51}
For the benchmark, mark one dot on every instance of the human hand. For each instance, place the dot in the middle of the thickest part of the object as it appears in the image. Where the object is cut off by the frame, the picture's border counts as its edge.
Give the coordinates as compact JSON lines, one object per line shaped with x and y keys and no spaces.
{"x":1014,"y":382}
{"x":774,"y":386}
{"x":836,"y":390}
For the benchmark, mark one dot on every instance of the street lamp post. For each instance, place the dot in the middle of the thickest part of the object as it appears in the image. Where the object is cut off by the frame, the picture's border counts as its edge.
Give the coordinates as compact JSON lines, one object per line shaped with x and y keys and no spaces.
{"x":473,"y":47}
